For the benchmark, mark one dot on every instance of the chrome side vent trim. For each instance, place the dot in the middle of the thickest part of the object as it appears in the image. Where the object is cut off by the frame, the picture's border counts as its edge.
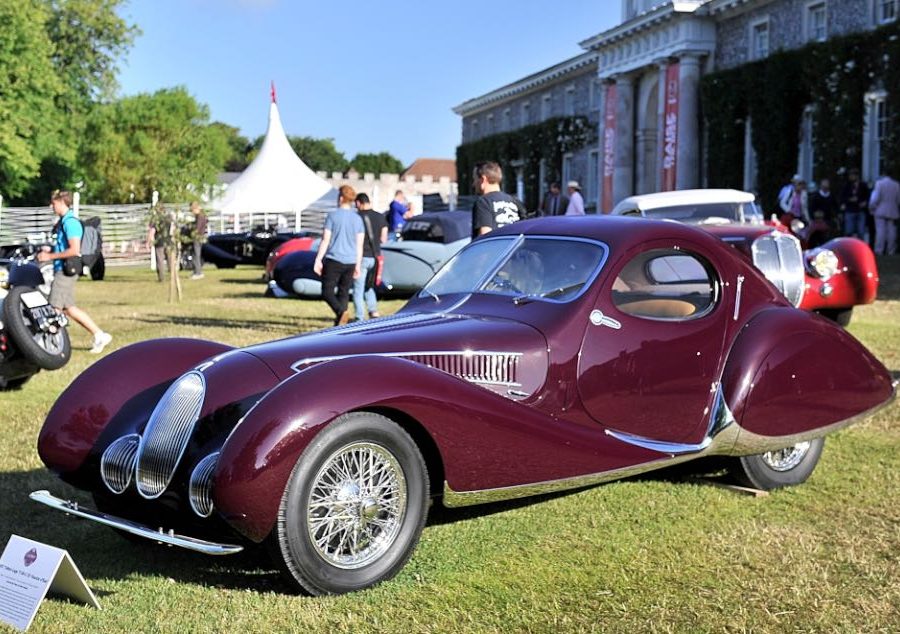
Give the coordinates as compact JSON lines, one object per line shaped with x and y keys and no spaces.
{"x":780,"y":258}
{"x":167,"y":434}
{"x":117,"y":463}
{"x":200,"y":486}
{"x":493,"y":368}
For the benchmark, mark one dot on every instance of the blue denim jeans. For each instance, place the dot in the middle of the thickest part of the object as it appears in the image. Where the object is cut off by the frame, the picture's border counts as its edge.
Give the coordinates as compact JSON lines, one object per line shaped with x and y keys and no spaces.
{"x":363,"y":298}
{"x":855,"y":224}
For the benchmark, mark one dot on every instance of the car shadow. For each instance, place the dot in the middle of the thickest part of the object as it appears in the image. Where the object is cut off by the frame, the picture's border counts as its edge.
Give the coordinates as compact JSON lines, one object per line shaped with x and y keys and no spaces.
{"x":889,"y":277}
{"x":256,"y":281}
{"x":102,"y":554}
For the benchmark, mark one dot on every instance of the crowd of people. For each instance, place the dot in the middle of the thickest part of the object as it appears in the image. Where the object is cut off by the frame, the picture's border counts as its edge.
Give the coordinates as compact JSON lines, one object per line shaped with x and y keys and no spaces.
{"x":167,"y":234}
{"x":858,"y":211}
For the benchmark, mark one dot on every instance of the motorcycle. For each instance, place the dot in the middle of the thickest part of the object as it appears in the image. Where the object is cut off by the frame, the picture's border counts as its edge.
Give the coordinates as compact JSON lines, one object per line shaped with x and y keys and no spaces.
{"x":33,"y":335}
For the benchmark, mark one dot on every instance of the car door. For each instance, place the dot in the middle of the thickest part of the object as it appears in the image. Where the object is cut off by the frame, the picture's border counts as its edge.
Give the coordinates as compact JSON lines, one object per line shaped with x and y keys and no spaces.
{"x":652,"y":354}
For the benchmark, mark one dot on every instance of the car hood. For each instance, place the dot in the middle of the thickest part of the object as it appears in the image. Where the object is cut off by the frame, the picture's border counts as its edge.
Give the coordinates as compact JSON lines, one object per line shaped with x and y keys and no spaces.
{"x":499,"y":354}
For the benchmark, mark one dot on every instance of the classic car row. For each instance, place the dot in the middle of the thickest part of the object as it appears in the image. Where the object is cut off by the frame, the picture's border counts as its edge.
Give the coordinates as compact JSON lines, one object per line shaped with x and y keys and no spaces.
{"x":552,"y":354}
{"x":829,"y":279}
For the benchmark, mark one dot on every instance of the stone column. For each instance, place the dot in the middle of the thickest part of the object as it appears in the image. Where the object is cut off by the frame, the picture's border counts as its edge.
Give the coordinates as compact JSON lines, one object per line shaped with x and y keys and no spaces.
{"x":688,"y":171}
{"x":623,"y":179}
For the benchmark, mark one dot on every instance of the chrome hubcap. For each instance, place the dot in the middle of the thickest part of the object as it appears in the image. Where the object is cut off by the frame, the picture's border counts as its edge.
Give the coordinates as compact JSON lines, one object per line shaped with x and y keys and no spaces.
{"x":787,"y":458}
{"x":356,"y":505}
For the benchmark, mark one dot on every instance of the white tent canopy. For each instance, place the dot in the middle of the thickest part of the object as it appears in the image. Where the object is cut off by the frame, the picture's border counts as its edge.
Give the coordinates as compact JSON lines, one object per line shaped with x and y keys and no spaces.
{"x":276,"y":182}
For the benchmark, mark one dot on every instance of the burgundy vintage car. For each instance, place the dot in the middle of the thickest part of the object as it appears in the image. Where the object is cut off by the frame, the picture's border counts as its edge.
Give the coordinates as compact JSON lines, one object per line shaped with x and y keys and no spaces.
{"x":829,"y":279}
{"x":552,"y":354}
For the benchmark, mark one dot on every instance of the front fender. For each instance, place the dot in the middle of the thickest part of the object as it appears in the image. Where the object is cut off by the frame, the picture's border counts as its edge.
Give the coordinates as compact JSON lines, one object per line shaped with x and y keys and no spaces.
{"x":855,"y":283}
{"x":485,"y":440}
{"x":131,"y":378}
{"x":791,"y":372}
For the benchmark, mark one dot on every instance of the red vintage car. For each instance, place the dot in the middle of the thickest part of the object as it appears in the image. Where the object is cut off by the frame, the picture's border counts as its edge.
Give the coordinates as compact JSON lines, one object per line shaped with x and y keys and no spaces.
{"x":829,"y":279}
{"x":304,"y":243}
{"x":549,"y":355}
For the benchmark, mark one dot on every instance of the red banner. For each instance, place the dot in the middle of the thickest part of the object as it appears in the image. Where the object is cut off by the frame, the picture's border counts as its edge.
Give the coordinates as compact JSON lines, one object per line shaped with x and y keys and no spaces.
{"x":670,"y":129}
{"x":609,"y":149}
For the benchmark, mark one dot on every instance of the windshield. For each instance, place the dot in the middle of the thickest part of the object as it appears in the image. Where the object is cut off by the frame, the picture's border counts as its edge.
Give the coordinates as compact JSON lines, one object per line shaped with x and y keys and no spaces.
{"x":709,"y":213}
{"x":554,"y":268}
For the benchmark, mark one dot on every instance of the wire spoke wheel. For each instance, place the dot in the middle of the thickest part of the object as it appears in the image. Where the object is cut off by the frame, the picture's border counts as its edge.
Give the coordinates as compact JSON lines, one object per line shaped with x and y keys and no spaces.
{"x":356,"y":505}
{"x":787,"y":458}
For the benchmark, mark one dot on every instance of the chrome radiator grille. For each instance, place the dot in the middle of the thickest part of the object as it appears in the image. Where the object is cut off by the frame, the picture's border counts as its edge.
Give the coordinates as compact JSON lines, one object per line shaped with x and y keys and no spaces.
{"x":117,"y":463}
{"x":167,"y":434}
{"x":780,"y":258}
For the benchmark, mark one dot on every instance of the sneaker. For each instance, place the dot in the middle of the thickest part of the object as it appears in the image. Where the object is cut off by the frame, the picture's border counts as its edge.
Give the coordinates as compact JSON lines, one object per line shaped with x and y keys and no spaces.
{"x":101,"y":340}
{"x":197,"y":276}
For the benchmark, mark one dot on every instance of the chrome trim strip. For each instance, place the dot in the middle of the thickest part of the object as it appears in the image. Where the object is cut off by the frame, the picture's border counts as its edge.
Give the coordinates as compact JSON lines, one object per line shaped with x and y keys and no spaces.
{"x":482,"y":367}
{"x":117,"y":463}
{"x":200,"y":485}
{"x":737,"y":296}
{"x":661,"y":446}
{"x":162,"y":536}
{"x":730,"y":440}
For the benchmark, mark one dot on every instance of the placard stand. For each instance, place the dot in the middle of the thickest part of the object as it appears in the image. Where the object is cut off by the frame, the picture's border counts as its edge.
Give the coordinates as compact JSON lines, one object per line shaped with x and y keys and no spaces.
{"x":30,"y":569}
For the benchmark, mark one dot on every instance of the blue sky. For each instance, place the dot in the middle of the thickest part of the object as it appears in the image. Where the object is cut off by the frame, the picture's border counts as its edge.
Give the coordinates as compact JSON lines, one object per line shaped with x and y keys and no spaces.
{"x":372,"y":75}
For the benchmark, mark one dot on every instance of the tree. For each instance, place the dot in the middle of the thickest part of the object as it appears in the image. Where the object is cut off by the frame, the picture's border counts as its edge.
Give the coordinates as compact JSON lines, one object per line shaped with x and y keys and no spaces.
{"x":162,"y":141}
{"x":381,"y":163}
{"x":239,"y":147}
{"x":28,"y":88}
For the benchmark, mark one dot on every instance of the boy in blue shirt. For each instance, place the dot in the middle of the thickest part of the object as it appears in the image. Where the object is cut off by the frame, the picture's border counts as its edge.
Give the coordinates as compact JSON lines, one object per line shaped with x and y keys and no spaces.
{"x":69,"y":232}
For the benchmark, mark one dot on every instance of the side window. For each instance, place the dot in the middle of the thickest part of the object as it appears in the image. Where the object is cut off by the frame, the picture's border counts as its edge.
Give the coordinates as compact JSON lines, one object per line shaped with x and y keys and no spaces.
{"x":666,"y":284}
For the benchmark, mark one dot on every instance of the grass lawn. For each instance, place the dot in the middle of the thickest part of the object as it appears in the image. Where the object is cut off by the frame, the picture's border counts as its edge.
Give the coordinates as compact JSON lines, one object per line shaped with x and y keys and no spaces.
{"x":657,"y":554}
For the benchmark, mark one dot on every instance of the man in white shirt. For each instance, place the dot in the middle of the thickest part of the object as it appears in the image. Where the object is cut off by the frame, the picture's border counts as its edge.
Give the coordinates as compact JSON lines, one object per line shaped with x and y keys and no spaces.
{"x":885,"y":206}
{"x":576,"y":201}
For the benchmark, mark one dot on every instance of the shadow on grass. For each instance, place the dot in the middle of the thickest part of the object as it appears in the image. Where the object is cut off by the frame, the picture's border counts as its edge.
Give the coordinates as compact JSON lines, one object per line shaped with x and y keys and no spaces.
{"x":287,"y":327}
{"x":102,"y":554}
{"x":244,"y":281}
{"x":889,"y":277}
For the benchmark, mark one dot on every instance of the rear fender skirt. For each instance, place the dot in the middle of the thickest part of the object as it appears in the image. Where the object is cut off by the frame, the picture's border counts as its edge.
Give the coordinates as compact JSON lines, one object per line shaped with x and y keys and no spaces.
{"x":115,"y":382}
{"x":791,"y":372}
{"x":484,"y":440}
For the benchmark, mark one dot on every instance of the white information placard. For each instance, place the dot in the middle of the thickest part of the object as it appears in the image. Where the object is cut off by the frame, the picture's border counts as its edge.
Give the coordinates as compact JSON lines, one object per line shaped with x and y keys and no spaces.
{"x":30,"y":569}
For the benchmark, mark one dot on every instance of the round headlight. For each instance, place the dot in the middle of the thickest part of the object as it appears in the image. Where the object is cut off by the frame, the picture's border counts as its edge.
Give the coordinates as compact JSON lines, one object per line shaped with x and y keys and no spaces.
{"x":825,"y":263}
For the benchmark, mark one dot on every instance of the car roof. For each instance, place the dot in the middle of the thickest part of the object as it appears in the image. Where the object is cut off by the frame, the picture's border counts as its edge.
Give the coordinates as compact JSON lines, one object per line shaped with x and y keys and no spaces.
{"x":455,"y":225}
{"x":684,"y":197}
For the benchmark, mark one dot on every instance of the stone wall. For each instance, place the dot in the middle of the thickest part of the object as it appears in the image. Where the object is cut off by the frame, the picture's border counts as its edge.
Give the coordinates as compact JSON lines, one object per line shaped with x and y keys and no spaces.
{"x":786,"y":20}
{"x":381,"y":189}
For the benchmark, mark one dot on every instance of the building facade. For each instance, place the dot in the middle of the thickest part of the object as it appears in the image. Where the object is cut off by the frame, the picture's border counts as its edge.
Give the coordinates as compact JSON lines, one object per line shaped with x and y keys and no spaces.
{"x":640,"y":83}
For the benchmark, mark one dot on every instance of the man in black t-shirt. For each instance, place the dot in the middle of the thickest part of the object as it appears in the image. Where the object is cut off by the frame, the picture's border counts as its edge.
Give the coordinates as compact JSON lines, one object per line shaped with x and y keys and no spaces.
{"x":493,"y":208}
{"x":376,"y":233}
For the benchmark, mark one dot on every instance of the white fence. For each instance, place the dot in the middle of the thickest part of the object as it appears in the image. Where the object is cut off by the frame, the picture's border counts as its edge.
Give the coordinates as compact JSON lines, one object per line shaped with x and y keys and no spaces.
{"x":124,"y":227}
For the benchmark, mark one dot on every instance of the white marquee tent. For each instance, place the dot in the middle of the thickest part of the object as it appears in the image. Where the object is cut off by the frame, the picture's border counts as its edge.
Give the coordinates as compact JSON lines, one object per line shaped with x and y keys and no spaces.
{"x":276,"y":182}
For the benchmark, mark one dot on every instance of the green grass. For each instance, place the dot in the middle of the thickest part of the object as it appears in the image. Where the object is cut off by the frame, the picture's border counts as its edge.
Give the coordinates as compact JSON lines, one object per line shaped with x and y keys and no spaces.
{"x":653,"y":555}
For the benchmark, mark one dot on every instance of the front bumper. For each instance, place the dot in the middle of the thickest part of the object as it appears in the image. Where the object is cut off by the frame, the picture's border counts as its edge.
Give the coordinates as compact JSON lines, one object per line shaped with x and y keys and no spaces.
{"x":159,"y":535}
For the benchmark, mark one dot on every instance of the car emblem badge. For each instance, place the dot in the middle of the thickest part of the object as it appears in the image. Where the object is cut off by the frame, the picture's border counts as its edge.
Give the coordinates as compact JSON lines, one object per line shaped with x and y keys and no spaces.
{"x":30,"y":557}
{"x":599,"y":319}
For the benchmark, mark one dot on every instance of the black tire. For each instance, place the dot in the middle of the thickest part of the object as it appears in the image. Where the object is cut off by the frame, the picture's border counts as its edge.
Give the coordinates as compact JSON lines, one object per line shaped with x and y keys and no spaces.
{"x":47,"y":351}
{"x":364,"y":561}
{"x":787,"y":467}
{"x":840,"y":316}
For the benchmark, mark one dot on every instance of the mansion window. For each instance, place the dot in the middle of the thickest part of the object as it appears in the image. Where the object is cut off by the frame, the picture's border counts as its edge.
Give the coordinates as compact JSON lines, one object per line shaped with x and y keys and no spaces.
{"x":490,"y":124}
{"x":570,"y":101}
{"x":507,"y":120}
{"x":526,"y":113}
{"x":474,"y":129}
{"x":759,"y":40}
{"x":546,"y":106}
{"x":877,"y":130}
{"x":816,"y":22}
{"x":885,"y":11}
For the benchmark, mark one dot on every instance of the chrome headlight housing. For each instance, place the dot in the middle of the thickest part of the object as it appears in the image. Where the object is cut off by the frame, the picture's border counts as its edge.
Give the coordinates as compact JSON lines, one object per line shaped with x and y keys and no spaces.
{"x":200,"y":485}
{"x":823,"y":263}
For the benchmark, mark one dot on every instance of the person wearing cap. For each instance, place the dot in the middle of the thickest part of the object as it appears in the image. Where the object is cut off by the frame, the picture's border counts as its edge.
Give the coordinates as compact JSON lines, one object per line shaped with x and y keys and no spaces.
{"x":576,"y":201}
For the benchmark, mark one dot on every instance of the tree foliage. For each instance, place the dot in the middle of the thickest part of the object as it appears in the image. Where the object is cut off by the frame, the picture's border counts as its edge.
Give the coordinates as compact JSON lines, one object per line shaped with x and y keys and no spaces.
{"x":381,"y":163}
{"x":162,"y":141}
{"x":28,"y":88}
{"x":239,"y":147}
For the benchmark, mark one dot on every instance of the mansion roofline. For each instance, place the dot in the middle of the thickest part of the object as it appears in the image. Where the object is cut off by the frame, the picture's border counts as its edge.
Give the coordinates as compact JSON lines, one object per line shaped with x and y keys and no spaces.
{"x":474,"y":105}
